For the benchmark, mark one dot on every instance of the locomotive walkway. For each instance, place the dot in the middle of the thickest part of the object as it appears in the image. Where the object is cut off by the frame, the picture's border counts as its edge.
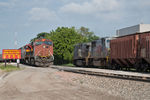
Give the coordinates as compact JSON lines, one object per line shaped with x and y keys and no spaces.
{"x":107,"y":73}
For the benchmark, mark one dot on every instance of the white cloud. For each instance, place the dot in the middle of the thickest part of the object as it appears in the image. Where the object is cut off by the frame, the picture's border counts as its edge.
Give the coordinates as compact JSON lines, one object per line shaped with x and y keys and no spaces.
{"x":91,"y":7}
{"x":9,"y":4}
{"x":42,"y":14}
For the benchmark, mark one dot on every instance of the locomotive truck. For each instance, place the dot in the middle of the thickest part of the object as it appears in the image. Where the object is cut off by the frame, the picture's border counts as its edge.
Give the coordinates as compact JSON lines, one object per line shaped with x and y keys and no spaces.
{"x":39,"y":53}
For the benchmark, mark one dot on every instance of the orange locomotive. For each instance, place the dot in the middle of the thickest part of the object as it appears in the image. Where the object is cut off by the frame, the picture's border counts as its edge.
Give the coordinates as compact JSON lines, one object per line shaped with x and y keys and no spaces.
{"x":39,"y":53}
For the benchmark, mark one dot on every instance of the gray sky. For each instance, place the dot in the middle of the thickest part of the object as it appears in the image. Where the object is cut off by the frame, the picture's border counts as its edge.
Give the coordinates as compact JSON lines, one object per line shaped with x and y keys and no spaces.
{"x":21,"y":20}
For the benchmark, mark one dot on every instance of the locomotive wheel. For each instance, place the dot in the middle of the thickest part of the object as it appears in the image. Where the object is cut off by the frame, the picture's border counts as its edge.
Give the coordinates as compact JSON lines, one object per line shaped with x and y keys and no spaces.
{"x":117,"y":67}
{"x":45,"y":65}
{"x":145,"y":68}
{"x":36,"y":64}
{"x":113,"y":67}
{"x":26,"y":61}
{"x":32,"y":62}
{"x":51,"y":63}
{"x":138,"y":69}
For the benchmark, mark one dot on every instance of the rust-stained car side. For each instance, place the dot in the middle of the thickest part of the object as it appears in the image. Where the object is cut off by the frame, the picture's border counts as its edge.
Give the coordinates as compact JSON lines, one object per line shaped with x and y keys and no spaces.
{"x":131,"y":51}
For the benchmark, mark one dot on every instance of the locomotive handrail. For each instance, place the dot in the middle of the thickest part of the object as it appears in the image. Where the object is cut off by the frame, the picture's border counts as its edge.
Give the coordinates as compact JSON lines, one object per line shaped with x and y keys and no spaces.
{"x":51,"y":54}
{"x":38,"y":53}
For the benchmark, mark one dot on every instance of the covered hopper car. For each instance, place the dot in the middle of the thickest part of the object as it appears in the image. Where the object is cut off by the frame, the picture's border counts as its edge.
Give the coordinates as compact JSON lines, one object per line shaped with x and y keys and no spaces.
{"x":131,"y":51}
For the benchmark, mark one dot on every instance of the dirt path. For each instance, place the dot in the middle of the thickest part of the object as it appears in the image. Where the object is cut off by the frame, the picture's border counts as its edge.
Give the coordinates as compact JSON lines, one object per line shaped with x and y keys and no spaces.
{"x":47,"y":84}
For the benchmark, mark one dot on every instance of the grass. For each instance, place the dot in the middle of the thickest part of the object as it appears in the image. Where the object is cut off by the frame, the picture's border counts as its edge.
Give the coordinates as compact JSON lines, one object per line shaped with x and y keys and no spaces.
{"x":9,"y":68}
{"x":69,"y":65}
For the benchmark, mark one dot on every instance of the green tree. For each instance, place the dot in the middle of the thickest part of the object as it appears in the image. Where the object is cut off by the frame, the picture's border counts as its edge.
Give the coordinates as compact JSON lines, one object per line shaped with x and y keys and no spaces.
{"x":87,"y":35}
{"x":41,"y":35}
{"x":64,"y":39}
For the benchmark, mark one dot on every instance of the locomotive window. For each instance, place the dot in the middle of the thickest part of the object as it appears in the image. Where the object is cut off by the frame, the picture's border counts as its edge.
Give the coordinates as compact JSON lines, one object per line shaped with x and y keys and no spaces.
{"x":38,"y":43}
{"x":26,"y":47}
{"x":48,"y":42}
{"x":87,"y":47}
{"x":45,"y":42}
{"x":94,"y":44}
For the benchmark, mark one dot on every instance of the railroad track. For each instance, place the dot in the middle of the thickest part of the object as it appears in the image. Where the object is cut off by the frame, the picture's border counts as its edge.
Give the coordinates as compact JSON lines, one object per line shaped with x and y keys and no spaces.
{"x":107,"y":73}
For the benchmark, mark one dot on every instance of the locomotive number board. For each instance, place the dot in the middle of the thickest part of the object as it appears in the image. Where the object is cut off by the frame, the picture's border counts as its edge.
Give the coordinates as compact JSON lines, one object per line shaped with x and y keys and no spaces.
{"x":11,"y":54}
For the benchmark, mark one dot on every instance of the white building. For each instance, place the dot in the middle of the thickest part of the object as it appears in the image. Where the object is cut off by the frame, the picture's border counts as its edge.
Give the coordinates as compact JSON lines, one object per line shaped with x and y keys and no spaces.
{"x":140,"y":28}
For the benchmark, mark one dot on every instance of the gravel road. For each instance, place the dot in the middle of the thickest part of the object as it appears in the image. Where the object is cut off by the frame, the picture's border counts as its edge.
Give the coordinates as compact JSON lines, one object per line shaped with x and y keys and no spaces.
{"x":50,"y":84}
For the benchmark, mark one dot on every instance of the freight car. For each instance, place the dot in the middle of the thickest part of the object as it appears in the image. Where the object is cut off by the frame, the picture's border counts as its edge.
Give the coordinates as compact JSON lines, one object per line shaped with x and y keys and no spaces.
{"x":39,"y":53}
{"x":131,"y":51}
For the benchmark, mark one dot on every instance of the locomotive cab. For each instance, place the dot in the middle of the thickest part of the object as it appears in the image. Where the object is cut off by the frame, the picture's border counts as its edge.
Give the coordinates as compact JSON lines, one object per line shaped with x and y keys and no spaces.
{"x":43,"y":52}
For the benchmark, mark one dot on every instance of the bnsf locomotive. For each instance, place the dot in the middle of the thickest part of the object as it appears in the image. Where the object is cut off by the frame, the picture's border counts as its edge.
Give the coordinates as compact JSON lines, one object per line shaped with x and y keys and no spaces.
{"x":125,"y":51}
{"x":39,"y":53}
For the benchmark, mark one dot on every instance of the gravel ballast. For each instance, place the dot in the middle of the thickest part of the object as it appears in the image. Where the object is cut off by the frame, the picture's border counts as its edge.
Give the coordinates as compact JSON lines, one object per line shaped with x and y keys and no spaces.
{"x":127,"y":89}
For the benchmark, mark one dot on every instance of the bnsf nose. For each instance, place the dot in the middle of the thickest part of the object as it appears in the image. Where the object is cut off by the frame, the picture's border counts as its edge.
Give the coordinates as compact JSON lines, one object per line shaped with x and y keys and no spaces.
{"x":45,"y":47}
{"x":45,"y":51}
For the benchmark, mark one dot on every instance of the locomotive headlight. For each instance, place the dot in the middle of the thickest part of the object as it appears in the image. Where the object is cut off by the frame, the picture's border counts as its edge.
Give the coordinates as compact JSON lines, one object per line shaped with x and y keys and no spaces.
{"x":44,"y":46}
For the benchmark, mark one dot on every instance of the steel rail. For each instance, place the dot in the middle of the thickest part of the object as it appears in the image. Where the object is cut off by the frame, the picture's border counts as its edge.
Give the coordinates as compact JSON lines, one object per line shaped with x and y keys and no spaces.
{"x":104,"y":74}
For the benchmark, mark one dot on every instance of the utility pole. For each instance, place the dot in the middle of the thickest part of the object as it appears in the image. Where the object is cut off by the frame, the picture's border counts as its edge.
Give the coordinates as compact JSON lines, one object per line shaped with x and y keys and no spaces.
{"x":15,"y":41}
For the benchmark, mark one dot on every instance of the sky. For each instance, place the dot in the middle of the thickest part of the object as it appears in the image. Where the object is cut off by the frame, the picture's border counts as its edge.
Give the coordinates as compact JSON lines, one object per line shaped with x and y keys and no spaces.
{"x":22,"y":20}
